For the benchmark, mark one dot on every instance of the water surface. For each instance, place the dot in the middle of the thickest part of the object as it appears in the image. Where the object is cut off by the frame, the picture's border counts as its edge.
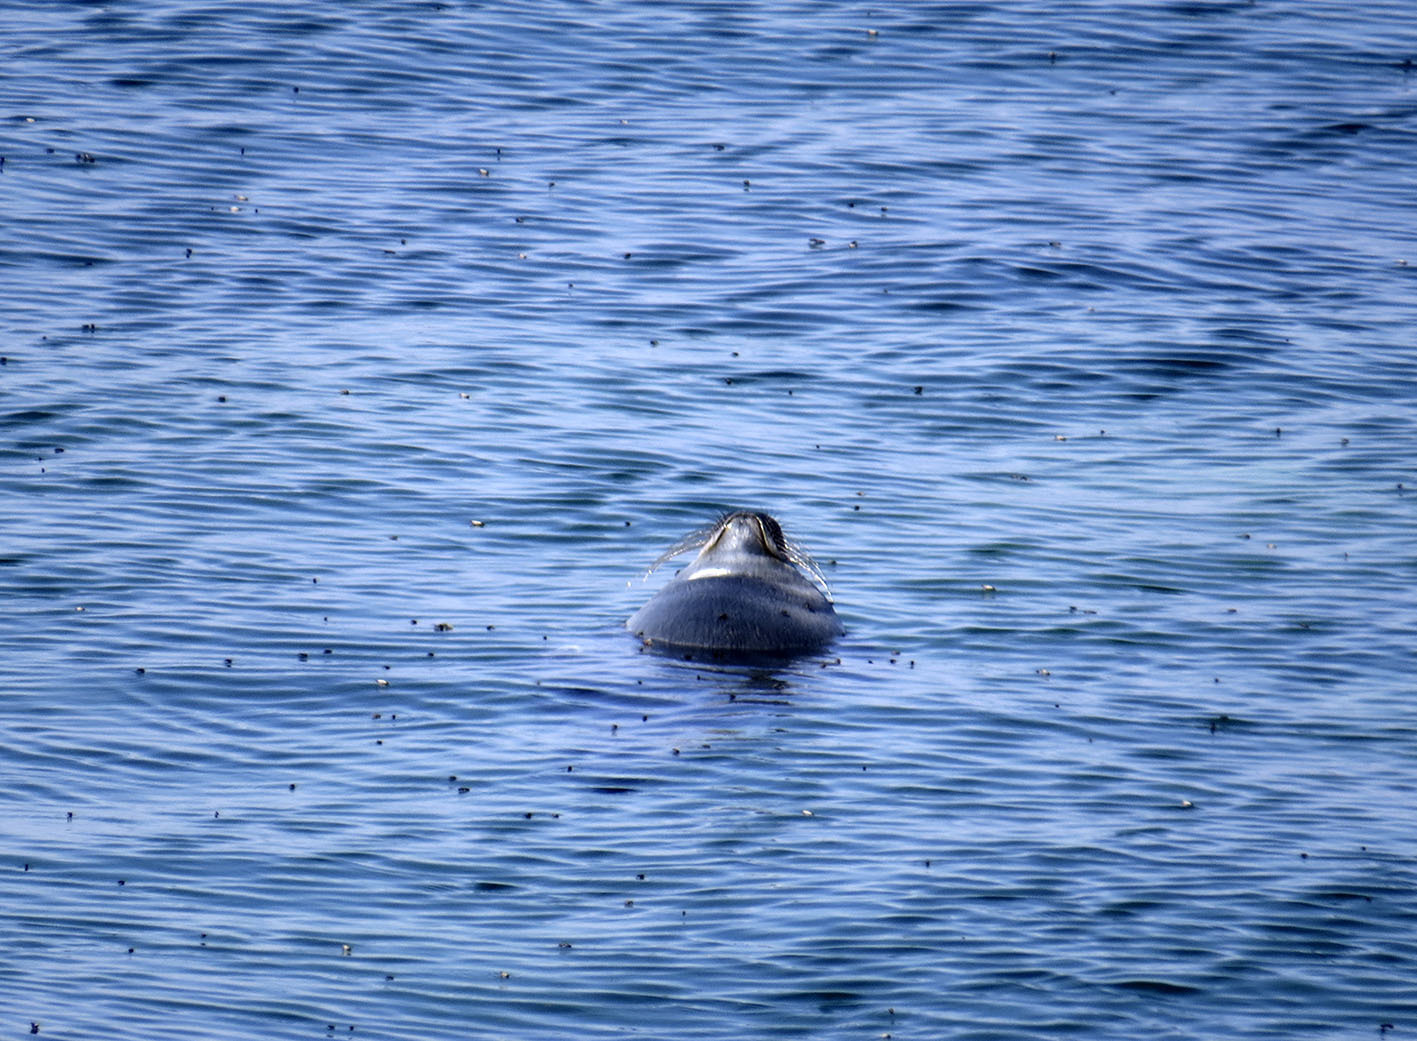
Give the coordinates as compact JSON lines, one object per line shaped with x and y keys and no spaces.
{"x":358,"y":361}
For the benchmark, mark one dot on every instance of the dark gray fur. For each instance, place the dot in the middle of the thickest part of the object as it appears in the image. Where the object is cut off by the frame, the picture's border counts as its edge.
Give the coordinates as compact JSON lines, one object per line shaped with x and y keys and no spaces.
{"x":747,"y":593}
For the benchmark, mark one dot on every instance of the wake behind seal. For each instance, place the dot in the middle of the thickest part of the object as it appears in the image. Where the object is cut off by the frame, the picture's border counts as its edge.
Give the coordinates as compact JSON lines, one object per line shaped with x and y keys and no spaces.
{"x":749,"y":593}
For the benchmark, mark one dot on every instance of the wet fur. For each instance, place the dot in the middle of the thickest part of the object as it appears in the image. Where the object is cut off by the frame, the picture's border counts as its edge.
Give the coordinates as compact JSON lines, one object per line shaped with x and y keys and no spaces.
{"x":759,"y":595}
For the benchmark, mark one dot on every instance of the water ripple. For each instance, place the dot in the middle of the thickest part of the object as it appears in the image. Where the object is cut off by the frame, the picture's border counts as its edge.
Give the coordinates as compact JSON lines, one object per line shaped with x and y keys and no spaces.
{"x":356,"y":370}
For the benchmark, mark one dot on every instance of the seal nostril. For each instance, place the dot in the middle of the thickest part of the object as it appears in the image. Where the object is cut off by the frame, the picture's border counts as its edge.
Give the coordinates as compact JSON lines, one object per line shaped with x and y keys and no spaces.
{"x":773,"y":530}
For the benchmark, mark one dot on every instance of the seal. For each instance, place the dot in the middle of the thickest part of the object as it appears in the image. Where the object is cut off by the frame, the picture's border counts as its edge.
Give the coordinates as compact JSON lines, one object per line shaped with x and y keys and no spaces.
{"x":749,"y":593}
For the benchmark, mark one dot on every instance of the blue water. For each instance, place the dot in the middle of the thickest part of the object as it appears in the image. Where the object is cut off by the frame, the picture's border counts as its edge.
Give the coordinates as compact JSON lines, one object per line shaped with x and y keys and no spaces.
{"x":358,"y":360}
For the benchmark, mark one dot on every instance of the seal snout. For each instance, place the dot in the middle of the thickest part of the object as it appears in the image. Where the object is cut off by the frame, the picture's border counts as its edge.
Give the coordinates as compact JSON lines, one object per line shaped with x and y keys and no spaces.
{"x":744,"y":532}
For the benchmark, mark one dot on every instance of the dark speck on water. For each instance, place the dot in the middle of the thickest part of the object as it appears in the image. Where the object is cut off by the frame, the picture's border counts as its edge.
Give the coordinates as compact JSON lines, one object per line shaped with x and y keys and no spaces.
{"x":593,"y":274}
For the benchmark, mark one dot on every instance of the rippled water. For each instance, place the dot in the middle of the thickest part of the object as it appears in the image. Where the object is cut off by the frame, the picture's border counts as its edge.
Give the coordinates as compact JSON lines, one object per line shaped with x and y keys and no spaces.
{"x":359,"y":359}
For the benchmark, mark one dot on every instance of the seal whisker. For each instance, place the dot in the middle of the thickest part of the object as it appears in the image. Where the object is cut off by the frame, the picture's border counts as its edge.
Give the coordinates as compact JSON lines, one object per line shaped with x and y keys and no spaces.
{"x":696,"y":538}
{"x":794,"y":552}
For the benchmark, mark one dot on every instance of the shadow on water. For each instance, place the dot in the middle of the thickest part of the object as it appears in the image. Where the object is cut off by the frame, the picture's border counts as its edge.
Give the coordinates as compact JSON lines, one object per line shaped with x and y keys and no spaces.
{"x":744,"y":678}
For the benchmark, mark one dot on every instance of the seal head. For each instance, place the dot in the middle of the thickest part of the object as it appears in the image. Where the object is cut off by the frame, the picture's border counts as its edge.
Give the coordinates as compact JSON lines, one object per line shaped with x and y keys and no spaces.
{"x":749,"y":593}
